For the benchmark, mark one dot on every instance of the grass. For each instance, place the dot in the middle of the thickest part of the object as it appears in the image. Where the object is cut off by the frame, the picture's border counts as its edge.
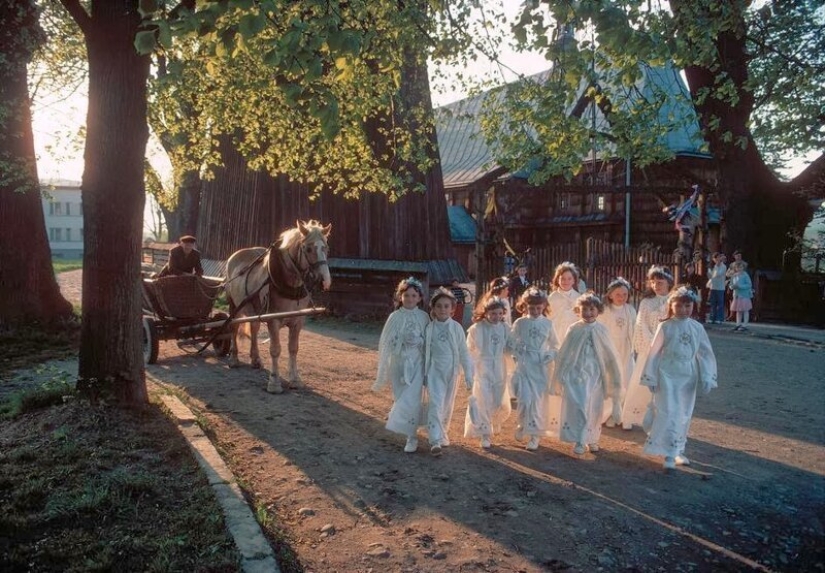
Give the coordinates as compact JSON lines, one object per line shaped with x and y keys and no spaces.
{"x":98,"y":489}
{"x":64,"y":265}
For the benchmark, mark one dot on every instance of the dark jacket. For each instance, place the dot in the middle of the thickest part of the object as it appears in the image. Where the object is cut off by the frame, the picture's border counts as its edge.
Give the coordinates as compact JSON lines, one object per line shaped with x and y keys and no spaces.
{"x":180,"y":263}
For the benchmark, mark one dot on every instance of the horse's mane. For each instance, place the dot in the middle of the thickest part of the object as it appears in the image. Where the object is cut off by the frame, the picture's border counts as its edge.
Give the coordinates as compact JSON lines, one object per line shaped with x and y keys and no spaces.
{"x":291,"y":237}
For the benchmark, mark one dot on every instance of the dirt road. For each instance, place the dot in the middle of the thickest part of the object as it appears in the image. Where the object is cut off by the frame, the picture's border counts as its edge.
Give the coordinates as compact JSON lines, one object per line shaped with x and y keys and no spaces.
{"x":344,"y":497}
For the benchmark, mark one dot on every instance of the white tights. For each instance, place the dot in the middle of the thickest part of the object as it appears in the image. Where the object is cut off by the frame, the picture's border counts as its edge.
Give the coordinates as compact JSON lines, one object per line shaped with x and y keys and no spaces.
{"x":742,"y":316}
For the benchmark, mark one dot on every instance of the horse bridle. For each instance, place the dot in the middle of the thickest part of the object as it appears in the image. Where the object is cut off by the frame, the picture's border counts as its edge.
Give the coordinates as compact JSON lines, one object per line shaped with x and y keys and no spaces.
{"x":308,"y":276}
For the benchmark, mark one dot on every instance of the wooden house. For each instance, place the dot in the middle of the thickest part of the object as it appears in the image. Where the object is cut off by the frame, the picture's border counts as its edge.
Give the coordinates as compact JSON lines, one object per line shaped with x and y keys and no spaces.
{"x":610,"y":200}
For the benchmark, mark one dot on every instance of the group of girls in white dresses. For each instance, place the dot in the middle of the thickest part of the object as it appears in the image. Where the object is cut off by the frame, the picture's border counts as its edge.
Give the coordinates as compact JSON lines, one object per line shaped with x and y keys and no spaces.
{"x":567,"y":382}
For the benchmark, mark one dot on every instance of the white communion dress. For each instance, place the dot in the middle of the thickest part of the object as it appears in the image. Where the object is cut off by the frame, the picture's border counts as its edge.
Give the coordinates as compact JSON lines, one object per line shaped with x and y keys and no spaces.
{"x":681,"y":360}
{"x":486,"y":343}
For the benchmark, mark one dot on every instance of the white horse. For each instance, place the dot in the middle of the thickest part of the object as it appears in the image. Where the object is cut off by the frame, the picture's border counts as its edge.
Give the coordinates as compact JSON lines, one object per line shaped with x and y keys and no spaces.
{"x":277,"y":279}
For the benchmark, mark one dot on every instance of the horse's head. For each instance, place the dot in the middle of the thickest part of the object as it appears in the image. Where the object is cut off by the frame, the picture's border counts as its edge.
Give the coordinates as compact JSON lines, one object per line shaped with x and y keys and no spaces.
{"x":314,"y":249}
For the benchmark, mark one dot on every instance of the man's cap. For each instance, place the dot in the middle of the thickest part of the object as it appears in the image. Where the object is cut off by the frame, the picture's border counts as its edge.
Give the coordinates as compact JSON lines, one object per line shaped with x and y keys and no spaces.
{"x":188,"y":239}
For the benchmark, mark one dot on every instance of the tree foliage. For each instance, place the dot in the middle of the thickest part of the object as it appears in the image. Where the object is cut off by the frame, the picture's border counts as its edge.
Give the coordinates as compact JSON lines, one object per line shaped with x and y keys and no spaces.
{"x":300,"y":85}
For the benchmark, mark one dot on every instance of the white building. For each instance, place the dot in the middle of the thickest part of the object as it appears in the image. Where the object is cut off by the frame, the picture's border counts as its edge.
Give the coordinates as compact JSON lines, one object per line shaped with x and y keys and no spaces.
{"x":63,"y":211}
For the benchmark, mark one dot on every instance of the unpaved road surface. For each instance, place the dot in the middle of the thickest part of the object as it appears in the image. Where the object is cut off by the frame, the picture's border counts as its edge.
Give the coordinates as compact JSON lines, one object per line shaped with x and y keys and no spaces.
{"x":344,"y":497}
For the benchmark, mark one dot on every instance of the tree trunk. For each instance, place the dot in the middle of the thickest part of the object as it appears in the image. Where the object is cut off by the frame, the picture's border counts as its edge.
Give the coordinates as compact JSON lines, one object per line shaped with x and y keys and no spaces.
{"x":29,"y":290}
{"x":113,"y":199}
{"x":759,"y":211}
{"x":183,"y":220}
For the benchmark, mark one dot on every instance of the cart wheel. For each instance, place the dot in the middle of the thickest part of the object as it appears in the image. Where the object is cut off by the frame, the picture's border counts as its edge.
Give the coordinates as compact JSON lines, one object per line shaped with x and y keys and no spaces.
{"x":221,"y":345}
{"x":151,"y":344}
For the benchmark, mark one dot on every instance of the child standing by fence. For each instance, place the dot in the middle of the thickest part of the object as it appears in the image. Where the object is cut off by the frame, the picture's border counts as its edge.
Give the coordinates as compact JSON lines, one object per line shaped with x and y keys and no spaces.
{"x":534,"y":345}
{"x":563,"y":298}
{"x":490,"y":403}
{"x":681,"y":361}
{"x":742,"y":289}
{"x":587,"y":371}
{"x":619,"y":317}
{"x":401,"y":361}
{"x":652,"y":310}
{"x":445,"y":352}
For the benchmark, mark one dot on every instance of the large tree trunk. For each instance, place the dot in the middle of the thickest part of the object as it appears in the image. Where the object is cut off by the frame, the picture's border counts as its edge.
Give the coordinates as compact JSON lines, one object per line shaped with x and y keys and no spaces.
{"x":29,"y":290}
{"x":759,"y":210}
{"x":113,"y":200}
{"x":183,"y":220}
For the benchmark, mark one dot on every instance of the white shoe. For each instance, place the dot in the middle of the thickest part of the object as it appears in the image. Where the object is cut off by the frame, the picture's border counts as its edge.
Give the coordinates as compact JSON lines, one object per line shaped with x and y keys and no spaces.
{"x":627,"y":427}
{"x":533,"y":444}
{"x":435,"y":450}
{"x":519,"y":434}
{"x":610,"y":423}
{"x":578,"y":449}
{"x":412,"y":445}
{"x":682,"y":461}
{"x":594,"y":447}
{"x":486,"y":443}
{"x":670,"y":463}
{"x":445,"y":442}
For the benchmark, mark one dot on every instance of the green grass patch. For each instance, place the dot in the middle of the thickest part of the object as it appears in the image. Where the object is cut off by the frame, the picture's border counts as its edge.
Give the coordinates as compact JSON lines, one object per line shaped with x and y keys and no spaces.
{"x":27,"y":346}
{"x":65,"y":265}
{"x":105,"y":489}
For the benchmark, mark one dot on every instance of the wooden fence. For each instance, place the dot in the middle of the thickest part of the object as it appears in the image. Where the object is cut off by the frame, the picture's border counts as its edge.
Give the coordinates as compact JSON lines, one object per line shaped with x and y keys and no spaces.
{"x":600,"y":262}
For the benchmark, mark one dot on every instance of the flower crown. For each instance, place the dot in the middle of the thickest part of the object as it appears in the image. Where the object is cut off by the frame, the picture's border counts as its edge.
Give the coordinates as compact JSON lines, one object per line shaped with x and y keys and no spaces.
{"x":661,"y":271}
{"x":413,"y":282}
{"x":619,"y":282}
{"x":682,"y":292}
{"x":535,"y":291}
{"x":494,"y":302}
{"x":442,"y":293}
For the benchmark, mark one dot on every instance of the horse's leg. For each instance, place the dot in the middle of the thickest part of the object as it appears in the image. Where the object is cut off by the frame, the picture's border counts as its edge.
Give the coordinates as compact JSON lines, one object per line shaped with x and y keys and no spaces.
{"x":254,"y":355}
{"x":233,"y":346}
{"x":274,"y":386}
{"x":294,"y":332}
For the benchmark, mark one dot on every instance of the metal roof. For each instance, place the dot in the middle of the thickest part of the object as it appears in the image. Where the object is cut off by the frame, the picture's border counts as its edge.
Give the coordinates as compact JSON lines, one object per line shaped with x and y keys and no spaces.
{"x":466,"y":158}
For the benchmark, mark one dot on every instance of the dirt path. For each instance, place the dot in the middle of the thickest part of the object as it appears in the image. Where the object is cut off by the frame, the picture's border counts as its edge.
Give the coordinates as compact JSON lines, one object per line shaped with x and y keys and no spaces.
{"x":345,"y":498}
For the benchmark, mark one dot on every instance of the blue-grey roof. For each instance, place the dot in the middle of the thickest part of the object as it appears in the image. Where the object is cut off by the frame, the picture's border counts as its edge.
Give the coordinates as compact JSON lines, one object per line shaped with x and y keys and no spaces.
{"x":466,"y":158}
{"x":462,"y":225}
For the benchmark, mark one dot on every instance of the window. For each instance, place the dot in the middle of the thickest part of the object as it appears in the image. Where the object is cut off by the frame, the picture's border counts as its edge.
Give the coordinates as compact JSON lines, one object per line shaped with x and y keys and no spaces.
{"x":68,"y":234}
{"x":55,"y":234}
{"x":56,"y":209}
{"x":564,"y":201}
{"x":68,"y":208}
{"x":600,"y":202}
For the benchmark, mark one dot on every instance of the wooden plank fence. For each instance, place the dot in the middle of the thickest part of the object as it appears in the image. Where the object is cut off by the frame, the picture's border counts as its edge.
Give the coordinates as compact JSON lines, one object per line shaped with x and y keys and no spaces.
{"x":600,"y":262}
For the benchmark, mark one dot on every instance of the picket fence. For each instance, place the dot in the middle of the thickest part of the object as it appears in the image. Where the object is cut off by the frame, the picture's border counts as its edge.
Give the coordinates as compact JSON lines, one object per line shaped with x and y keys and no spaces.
{"x":600,"y":262}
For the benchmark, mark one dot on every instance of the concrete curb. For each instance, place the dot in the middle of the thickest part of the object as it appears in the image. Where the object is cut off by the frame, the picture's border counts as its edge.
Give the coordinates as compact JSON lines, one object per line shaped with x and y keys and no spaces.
{"x":256,"y":553}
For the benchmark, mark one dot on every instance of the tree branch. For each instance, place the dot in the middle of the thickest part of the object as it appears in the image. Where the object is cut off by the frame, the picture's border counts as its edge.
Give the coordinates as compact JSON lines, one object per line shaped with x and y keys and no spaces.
{"x":78,"y":14}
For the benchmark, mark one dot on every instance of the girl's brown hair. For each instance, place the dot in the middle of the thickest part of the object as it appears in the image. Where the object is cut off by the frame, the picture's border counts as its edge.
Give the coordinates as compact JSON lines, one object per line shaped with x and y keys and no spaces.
{"x":403,"y":286}
{"x":533,"y":296}
{"x":439,"y":294}
{"x":588,"y":299}
{"x":564,"y":267}
{"x":486,"y":304}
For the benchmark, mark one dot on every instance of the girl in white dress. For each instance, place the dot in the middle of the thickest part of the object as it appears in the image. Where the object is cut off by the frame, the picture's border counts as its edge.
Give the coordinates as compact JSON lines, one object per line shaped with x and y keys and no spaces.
{"x":563,"y":298}
{"x":500,"y":288}
{"x":681,"y":361}
{"x":652,"y":310}
{"x":587,"y":371}
{"x":401,"y":361}
{"x":533,"y":344}
{"x":490,"y":403}
{"x":445,"y":352}
{"x":619,"y":317}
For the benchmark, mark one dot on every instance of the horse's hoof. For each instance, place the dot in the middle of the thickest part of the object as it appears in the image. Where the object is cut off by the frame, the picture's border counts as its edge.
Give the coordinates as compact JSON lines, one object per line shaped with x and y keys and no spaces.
{"x":256,"y":364}
{"x":275,"y":388}
{"x":296,"y":384}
